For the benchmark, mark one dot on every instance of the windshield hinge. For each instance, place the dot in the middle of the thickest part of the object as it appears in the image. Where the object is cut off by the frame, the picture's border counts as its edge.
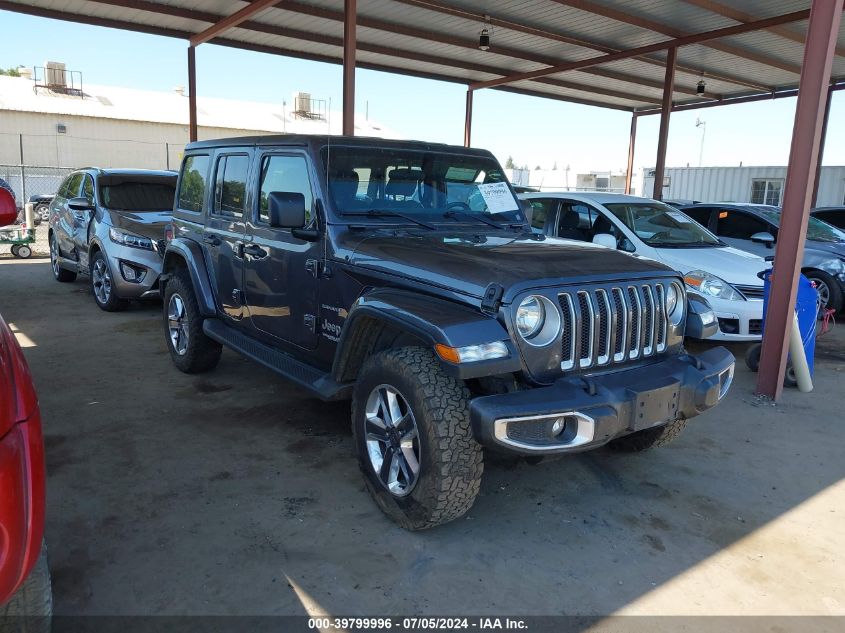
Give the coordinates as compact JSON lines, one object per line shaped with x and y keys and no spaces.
{"x":492,"y":298}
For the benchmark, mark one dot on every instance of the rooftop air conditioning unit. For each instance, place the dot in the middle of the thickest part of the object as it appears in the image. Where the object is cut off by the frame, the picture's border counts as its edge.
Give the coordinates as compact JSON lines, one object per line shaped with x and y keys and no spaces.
{"x":56,"y":75}
{"x":302,"y":102}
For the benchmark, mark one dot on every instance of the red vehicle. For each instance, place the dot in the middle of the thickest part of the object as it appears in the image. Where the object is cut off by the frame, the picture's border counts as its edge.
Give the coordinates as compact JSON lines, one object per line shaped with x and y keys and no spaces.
{"x":24,"y":577}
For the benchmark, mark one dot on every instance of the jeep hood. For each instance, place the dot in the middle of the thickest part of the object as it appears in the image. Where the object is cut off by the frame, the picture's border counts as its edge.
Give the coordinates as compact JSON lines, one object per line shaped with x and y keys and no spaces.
{"x":467,"y":263}
{"x":147,"y":223}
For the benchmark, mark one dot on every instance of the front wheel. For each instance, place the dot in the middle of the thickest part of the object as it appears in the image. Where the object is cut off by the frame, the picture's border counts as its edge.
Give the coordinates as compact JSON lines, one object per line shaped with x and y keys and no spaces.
{"x":411,"y":428}
{"x":102,"y":286}
{"x":24,"y":251}
{"x":31,"y":608}
{"x":191,"y":350}
{"x":830,"y":293}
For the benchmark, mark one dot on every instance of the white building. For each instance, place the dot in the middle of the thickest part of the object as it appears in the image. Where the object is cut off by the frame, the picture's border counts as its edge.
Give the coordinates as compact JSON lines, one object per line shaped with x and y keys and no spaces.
{"x":740,"y":184}
{"x":109,"y":126}
{"x":563,"y":180}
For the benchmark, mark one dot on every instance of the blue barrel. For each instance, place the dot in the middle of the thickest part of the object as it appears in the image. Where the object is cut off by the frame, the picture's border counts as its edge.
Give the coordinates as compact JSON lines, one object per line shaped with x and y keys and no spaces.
{"x":807,"y":307}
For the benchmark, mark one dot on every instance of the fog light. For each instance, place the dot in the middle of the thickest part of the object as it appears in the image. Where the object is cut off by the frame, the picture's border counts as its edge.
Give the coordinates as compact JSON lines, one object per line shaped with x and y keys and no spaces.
{"x":132,"y":273}
{"x":558,"y":426}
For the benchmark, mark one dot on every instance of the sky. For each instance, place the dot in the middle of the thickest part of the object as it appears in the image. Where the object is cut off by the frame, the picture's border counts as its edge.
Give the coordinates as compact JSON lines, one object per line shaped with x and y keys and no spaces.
{"x":534,"y":131}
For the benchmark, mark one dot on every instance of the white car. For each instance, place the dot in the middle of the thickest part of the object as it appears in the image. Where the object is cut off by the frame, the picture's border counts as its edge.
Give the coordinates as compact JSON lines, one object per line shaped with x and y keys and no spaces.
{"x":726,"y":276}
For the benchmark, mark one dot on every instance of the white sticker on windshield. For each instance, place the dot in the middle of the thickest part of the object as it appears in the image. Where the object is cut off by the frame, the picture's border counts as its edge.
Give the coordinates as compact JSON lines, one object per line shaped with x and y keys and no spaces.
{"x":680,"y":217}
{"x":498,"y":197}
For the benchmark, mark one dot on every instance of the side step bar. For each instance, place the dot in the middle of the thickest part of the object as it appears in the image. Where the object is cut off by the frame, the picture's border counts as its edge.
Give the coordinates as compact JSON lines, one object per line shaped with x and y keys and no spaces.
{"x":317,"y":382}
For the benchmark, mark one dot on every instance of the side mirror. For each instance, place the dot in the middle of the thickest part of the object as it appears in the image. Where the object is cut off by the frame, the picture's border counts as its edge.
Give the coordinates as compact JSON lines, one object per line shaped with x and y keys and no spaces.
{"x":287,"y":209}
{"x":764,"y":238}
{"x":8,"y":210}
{"x":605,"y":239}
{"x":79,"y":204}
{"x":627,"y":246}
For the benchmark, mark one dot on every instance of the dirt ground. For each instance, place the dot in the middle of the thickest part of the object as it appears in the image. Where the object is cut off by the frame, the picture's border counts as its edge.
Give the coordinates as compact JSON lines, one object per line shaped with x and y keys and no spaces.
{"x":236,"y":493}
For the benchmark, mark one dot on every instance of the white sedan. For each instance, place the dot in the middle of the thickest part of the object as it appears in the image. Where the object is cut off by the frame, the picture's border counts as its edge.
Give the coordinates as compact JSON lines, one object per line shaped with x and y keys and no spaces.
{"x":726,"y":276}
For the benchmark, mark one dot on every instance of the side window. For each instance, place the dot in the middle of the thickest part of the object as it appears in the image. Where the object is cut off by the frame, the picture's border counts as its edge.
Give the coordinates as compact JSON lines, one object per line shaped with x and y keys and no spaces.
{"x":739,"y":225}
{"x":230,"y":185}
{"x":88,"y":188}
{"x":539,"y":209}
{"x":699,"y":214}
{"x":63,"y":188}
{"x":193,"y":183}
{"x":284,"y":173}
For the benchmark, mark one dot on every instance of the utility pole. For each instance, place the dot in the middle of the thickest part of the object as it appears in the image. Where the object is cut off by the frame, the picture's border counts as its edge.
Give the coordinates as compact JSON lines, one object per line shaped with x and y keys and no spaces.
{"x":703,"y":126}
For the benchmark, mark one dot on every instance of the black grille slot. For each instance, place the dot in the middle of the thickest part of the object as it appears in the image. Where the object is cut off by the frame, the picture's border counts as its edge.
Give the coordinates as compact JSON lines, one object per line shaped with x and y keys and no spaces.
{"x":660,"y":307}
{"x":621,"y":320}
{"x":751,"y":292}
{"x":648,"y":320}
{"x":636,"y":318}
{"x":567,"y":332}
{"x":529,"y":431}
{"x":586,"y":320}
{"x":755,"y":326}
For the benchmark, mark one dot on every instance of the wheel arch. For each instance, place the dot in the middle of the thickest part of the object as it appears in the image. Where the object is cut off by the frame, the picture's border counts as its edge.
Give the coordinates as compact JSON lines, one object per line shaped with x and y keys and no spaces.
{"x":186,"y":254}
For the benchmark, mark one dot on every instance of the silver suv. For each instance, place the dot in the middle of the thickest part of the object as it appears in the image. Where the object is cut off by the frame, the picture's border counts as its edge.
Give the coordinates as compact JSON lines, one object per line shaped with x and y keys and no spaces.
{"x":109,"y":225}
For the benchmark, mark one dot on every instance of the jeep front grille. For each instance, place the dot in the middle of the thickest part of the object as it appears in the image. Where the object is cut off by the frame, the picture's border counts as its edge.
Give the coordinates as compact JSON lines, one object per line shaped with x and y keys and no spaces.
{"x":612,"y":325}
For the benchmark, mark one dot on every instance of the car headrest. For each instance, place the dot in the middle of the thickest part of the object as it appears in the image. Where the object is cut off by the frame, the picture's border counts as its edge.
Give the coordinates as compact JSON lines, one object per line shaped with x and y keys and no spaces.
{"x":402,"y":182}
{"x":344,"y":184}
{"x":569,"y":220}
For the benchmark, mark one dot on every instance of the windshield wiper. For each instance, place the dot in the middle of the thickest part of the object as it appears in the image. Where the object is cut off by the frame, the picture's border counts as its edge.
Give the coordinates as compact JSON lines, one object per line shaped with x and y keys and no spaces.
{"x":452,"y":213}
{"x":376,"y":213}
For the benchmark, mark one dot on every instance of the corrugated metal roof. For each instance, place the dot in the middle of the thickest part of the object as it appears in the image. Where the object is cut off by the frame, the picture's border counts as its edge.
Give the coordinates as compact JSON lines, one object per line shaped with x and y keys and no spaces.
{"x":439,"y":39}
{"x":129,"y":104}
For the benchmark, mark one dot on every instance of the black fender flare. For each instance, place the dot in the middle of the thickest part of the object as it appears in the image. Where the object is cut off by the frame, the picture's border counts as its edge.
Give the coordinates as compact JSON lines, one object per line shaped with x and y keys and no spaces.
{"x":429,"y":319}
{"x":189,"y":253}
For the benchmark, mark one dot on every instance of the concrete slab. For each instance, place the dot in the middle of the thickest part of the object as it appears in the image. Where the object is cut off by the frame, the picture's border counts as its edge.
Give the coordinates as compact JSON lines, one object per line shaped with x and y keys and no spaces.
{"x":236,"y":493}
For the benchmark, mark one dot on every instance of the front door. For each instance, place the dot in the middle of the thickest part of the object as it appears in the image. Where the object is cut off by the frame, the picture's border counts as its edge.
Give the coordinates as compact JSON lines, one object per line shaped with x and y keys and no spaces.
{"x":67,"y":219}
{"x":224,"y":230}
{"x":736,"y":227}
{"x":82,"y":223}
{"x":280,"y":270}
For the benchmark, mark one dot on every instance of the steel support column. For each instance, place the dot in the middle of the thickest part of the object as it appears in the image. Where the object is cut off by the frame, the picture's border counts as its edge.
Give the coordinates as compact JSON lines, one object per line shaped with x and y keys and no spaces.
{"x":349,"y":48}
{"x":822,"y":33}
{"x":821,"y":146}
{"x":192,"y":94}
{"x":666,"y":111}
{"x":632,"y":142}
{"x":468,"y":119}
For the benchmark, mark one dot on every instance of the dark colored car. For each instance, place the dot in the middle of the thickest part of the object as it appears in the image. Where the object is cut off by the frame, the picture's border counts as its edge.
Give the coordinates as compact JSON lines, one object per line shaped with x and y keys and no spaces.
{"x":24,"y":576}
{"x":834,"y":216}
{"x":404,"y":276}
{"x":109,"y":225}
{"x":41,"y":205}
{"x":754,"y":228}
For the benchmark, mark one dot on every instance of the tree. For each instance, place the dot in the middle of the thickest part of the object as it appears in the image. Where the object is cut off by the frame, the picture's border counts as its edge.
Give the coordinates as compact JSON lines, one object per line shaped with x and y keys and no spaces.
{"x":554,"y":168}
{"x":537,"y":168}
{"x":11,"y":72}
{"x":509,"y":163}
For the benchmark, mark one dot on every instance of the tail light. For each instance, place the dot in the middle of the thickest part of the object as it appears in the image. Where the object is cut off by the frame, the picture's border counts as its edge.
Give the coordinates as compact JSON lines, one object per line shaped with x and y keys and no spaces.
{"x":168,"y":233}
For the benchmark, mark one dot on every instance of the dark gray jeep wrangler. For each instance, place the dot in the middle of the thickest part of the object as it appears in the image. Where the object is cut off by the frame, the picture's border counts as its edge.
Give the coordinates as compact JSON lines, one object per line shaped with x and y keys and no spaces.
{"x":403,"y":276}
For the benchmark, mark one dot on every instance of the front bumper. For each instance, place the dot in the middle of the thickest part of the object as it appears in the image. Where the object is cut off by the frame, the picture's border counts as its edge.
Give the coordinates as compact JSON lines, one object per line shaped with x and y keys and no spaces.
{"x":597,"y":409}
{"x":739,"y":321}
{"x":148,"y":262}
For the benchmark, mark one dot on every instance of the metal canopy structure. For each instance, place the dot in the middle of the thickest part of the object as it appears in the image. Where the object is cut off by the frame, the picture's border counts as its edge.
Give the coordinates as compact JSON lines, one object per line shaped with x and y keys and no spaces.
{"x":609,"y":53}
{"x":641,"y":56}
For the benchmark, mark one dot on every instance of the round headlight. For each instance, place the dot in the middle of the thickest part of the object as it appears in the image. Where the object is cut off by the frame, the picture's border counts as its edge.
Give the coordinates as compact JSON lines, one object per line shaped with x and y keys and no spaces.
{"x":671,"y":299}
{"x":530,"y":317}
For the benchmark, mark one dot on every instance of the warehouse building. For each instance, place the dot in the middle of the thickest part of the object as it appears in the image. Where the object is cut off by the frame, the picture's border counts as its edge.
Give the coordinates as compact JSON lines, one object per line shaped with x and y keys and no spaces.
{"x":762,"y":185}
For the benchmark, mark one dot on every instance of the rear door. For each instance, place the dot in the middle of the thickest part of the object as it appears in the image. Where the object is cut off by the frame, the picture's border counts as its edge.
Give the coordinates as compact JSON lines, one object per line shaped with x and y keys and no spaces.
{"x":225,"y":228}
{"x":281,"y":271}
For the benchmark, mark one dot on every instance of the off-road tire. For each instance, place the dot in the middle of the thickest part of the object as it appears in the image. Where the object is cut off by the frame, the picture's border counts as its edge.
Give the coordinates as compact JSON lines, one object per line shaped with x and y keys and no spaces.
{"x":451,"y":462}
{"x":30,"y":609}
{"x":59,"y":273}
{"x":648,"y":438}
{"x":202,"y":353}
{"x":113,"y":303}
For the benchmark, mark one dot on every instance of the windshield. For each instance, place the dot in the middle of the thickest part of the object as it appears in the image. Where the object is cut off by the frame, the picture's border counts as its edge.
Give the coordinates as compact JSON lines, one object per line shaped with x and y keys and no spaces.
{"x":658,"y":224}
{"x":816,"y":229}
{"x":138,"y":196}
{"x":421,"y":183}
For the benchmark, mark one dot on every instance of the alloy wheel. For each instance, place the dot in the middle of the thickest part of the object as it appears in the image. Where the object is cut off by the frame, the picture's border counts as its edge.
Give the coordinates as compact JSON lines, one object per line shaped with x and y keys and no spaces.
{"x":393,"y":442}
{"x":823,"y":290}
{"x":54,"y":256}
{"x":177,"y":324}
{"x":101,"y":279}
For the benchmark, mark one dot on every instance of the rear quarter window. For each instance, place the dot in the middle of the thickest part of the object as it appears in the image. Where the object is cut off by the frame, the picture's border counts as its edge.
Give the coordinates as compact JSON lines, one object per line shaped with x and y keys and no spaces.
{"x":193,"y":184}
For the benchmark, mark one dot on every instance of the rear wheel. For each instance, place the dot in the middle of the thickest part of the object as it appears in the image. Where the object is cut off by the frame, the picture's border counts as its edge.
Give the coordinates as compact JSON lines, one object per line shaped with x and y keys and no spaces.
{"x":30,"y":609}
{"x":649,"y":438}
{"x":411,"y":428}
{"x":59,"y":273}
{"x":14,"y":249}
{"x":102,"y":287}
{"x":24,"y":251}
{"x":191,"y":350}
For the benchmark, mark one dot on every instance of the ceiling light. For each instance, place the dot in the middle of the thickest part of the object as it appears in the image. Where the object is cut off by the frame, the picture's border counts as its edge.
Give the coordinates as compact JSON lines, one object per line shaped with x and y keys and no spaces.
{"x":699,"y":89}
{"x":484,"y":40}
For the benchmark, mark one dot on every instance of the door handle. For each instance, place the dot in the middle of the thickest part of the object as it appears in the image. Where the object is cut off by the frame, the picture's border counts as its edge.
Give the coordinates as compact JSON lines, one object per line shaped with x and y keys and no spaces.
{"x":211,"y":239}
{"x":254,"y":251}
